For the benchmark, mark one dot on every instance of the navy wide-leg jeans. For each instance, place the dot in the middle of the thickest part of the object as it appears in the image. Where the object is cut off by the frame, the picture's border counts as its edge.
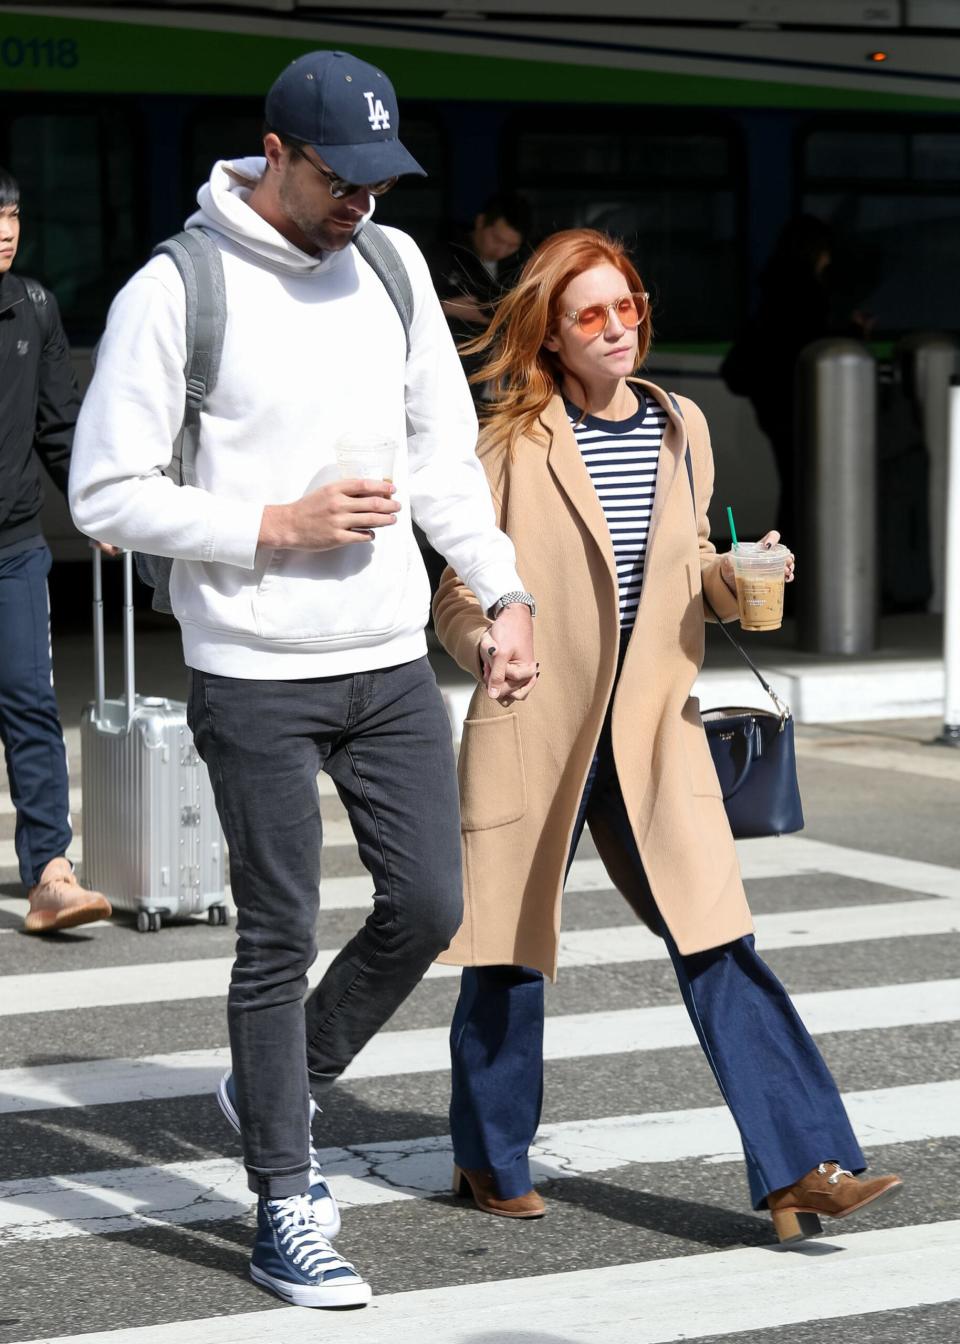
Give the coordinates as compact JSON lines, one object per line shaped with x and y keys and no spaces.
{"x":33,"y":745}
{"x":770,"y":1072}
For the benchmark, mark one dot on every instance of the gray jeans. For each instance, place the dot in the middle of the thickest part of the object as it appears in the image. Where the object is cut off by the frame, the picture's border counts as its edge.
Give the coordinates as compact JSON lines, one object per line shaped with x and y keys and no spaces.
{"x":384,"y":738}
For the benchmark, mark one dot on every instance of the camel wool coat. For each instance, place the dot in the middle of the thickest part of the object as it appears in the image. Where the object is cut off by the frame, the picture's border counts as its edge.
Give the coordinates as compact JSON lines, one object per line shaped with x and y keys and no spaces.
{"x":522,"y":769}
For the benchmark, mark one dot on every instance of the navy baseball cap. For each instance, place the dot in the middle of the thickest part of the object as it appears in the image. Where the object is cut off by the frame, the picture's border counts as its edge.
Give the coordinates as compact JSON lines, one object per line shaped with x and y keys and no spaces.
{"x":346,"y":110}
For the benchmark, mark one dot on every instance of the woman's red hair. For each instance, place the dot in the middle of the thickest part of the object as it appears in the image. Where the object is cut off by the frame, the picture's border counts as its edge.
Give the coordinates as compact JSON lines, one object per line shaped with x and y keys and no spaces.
{"x":525,"y":374}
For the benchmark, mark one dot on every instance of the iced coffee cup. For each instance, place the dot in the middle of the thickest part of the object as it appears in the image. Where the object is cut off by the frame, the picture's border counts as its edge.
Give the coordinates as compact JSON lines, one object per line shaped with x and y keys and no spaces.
{"x":760,"y":575}
{"x":365,"y":457}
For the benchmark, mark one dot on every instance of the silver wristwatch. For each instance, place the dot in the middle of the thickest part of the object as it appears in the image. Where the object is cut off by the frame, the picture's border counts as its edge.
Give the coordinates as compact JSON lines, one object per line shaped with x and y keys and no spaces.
{"x":511,"y":599}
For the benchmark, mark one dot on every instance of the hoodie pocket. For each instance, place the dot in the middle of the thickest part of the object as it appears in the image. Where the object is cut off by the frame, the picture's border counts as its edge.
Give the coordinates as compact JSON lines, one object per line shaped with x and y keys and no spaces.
{"x":349,"y":595}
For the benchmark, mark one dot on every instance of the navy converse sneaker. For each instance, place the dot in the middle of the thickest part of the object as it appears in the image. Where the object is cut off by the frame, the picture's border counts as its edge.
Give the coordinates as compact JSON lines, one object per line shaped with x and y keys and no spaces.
{"x":320,"y":1194}
{"x":292,"y":1258}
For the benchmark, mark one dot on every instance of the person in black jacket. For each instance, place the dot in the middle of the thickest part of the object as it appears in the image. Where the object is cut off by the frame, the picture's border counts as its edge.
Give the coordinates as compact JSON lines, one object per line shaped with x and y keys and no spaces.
{"x":39,"y":402}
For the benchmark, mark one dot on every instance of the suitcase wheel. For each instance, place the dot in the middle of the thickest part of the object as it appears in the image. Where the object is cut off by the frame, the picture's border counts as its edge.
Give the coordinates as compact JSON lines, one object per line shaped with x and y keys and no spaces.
{"x":149,"y":921}
{"x":218,"y":915}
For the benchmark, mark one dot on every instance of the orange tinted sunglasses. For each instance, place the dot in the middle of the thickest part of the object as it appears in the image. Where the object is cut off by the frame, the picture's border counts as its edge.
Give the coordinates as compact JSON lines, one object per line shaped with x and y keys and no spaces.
{"x":630,"y":309}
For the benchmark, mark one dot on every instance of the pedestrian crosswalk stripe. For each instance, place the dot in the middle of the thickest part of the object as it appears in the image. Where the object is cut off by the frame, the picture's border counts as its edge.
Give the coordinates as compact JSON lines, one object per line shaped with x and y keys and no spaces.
{"x":122,"y":1199}
{"x":356,"y":893}
{"x":156,"y":982}
{"x":792,"y":855}
{"x":652,"y":1302}
{"x":779,"y":856}
{"x":425,"y":1050}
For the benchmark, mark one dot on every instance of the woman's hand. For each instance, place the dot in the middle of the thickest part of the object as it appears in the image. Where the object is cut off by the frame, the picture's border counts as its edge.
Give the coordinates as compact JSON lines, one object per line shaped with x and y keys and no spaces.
{"x":507,"y":664}
{"x":726,"y":562}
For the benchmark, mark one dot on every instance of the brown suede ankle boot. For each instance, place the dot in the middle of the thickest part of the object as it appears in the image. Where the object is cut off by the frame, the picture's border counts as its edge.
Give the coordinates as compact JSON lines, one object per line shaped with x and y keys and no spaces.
{"x":478,"y":1186}
{"x":827,"y":1190}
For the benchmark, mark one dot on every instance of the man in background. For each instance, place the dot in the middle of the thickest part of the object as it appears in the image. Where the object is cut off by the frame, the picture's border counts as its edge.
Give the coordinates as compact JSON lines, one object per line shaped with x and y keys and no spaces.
{"x":476,"y":267}
{"x":39,"y":402}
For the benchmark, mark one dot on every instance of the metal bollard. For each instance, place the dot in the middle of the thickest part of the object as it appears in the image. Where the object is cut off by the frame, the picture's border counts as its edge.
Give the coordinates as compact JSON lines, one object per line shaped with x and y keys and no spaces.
{"x":929,"y":361}
{"x":836,"y":444}
{"x":950,"y":736}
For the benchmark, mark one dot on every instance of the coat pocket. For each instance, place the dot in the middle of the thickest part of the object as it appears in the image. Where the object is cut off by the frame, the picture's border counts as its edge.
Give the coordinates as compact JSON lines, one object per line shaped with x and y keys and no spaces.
{"x":493,"y":789}
{"x":700,"y":767}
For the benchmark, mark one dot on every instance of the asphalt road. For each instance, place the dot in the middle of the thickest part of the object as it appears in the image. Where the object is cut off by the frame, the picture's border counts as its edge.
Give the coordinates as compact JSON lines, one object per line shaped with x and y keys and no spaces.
{"x":124,"y":1214}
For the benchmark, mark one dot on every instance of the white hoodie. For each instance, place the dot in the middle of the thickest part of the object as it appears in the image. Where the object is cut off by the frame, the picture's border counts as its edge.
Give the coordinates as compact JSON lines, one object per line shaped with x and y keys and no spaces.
{"x":313,"y":348}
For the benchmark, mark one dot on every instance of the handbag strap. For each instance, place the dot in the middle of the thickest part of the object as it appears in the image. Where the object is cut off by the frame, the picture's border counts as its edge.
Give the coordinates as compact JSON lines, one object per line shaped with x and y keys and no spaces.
{"x":784,"y":710}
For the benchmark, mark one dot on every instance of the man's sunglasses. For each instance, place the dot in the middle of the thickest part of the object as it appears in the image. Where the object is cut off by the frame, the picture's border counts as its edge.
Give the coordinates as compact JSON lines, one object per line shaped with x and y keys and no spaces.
{"x":631,"y":309}
{"x":338,"y":186}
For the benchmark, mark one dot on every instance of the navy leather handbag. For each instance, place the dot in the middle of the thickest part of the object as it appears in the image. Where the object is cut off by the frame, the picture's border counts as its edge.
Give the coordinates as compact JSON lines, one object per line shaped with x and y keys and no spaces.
{"x":756,"y":762}
{"x":754,"y":754}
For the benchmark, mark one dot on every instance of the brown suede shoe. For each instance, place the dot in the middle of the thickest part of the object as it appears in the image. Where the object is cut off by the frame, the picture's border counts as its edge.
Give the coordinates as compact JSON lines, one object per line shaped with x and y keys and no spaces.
{"x":478,"y":1185}
{"x":829,"y":1190}
{"x":59,"y":902}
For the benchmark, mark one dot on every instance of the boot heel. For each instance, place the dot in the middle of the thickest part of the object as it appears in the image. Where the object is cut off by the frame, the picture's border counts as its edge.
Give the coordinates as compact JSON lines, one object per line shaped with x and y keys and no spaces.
{"x":461,"y":1186}
{"x":790,"y":1226}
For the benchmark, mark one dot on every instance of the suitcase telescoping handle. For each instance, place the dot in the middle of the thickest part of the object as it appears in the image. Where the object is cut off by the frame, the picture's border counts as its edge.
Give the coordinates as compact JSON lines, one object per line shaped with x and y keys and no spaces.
{"x":99,"y":673}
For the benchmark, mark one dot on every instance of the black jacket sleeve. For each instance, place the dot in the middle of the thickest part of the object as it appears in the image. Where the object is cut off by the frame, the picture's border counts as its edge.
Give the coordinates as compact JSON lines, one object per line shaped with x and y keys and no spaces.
{"x":58,"y":397}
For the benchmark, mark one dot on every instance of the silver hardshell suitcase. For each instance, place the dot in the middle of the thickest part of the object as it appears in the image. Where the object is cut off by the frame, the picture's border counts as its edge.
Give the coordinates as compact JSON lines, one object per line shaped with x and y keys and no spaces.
{"x":152,"y":841}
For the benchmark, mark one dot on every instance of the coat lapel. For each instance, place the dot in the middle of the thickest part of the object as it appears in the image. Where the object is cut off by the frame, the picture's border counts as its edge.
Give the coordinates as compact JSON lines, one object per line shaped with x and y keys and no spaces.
{"x":672,"y":452}
{"x":670,"y":465}
{"x":567,"y":466}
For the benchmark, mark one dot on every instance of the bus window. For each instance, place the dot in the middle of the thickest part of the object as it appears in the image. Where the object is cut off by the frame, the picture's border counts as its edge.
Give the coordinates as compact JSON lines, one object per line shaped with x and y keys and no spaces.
{"x":674,"y":196}
{"x":227,"y":132}
{"x":892,"y":194}
{"x":76,"y":171}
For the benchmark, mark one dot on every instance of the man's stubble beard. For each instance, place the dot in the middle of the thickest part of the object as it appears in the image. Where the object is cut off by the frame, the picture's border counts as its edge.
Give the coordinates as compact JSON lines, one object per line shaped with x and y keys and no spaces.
{"x":316,"y":231}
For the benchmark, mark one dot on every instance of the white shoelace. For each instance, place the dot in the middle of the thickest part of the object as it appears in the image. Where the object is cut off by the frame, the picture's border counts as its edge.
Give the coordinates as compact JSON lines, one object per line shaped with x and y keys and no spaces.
{"x":840,"y":1171}
{"x":301,"y":1239}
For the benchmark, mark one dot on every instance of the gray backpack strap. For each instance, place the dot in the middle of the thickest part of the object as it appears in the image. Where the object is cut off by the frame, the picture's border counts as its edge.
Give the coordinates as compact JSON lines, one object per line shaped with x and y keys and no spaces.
{"x":197,"y":258}
{"x":378,"y":251}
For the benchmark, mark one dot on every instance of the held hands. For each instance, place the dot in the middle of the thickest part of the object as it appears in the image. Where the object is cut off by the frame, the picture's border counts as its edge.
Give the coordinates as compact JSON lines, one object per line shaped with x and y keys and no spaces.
{"x":337,"y":514}
{"x":726,"y":562}
{"x":506,"y":656}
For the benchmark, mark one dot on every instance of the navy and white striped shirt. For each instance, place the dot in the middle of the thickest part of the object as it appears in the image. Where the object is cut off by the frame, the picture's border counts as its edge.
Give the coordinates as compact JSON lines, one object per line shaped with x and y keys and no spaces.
{"x":621,"y":457}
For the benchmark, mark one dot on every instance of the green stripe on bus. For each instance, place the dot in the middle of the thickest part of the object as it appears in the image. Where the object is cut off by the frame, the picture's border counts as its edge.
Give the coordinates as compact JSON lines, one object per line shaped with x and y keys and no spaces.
{"x":44,"y":54}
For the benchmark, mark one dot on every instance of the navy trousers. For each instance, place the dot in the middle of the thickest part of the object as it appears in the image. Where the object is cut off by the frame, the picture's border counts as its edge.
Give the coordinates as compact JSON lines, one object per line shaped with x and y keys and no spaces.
{"x":770,"y":1072}
{"x":33,"y":743}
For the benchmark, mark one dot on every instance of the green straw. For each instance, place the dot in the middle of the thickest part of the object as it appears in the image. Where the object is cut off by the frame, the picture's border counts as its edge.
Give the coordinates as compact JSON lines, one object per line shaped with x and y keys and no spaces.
{"x":733,"y":530}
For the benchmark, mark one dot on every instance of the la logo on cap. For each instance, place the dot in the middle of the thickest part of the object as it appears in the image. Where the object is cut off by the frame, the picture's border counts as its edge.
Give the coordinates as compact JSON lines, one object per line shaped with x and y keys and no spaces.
{"x":379,"y":117}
